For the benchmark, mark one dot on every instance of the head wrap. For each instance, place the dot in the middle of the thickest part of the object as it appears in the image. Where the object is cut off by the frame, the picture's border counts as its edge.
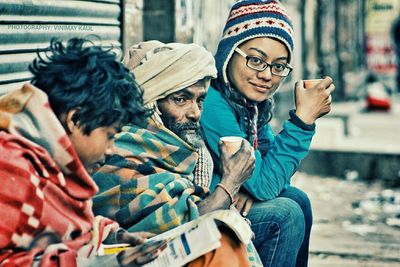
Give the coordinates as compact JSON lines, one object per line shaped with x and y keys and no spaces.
{"x":162,"y":69}
{"x":250,"y":19}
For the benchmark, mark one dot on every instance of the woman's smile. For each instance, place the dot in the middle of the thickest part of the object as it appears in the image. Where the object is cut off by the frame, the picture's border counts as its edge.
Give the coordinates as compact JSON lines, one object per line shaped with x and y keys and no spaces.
{"x":260,"y":87}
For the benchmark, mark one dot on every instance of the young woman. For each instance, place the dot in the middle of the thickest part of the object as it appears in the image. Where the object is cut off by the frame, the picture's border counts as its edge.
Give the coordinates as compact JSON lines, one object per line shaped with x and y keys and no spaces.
{"x":252,"y":60}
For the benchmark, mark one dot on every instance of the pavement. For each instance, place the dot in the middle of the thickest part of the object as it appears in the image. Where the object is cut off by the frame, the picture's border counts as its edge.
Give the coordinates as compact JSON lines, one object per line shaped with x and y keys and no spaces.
{"x":348,"y":229}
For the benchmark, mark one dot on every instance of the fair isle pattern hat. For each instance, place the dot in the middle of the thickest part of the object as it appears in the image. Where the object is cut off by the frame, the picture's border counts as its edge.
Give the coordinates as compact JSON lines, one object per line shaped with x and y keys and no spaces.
{"x":249,"y":19}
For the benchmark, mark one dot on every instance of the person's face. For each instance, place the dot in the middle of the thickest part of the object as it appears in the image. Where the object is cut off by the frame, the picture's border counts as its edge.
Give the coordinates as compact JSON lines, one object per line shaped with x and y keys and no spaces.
{"x":181,"y":112}
{"x":93,"y":148}
{"x":257,"y":85}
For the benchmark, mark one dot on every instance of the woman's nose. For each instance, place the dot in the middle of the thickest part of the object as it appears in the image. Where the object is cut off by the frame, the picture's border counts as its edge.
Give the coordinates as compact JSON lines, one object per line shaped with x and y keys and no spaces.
{"x":265,"y":74}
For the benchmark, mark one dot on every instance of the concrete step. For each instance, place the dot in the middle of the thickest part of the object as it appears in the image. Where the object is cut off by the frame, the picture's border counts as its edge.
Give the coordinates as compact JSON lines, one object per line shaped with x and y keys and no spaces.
{"x":363,"y":165}
{"x":359,"y":132}
{"x":351,"y":140}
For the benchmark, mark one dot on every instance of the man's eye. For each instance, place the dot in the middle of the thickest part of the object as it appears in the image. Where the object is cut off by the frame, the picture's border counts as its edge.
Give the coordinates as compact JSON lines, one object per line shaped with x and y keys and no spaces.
{"x":255,"y":61}
{"x":179,"y":100}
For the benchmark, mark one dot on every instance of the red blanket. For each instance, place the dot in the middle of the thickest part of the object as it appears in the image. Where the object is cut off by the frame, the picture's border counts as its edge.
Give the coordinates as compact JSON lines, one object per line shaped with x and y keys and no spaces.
{"x":44,"y":187}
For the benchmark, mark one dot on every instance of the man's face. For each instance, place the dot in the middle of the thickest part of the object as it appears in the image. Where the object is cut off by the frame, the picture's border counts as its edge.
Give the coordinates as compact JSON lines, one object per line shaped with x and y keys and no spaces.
{"x":181,"y":112}
{"x":93,"y":148}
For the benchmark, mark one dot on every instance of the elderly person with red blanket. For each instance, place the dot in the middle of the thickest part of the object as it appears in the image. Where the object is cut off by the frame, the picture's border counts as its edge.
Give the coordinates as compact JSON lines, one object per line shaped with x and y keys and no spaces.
{"x":49,"y":140}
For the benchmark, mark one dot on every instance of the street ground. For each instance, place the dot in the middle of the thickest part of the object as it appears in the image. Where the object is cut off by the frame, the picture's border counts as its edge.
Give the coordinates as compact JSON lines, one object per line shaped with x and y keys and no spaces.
{"x":355,"y":223}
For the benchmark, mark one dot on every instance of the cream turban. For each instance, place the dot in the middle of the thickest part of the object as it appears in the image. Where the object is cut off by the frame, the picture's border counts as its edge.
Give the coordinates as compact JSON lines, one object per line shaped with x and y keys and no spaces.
{"x":162,"y":69}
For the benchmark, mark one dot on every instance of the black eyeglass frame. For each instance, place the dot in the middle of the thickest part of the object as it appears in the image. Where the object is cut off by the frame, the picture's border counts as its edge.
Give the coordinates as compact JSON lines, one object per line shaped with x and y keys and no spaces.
{"x":247,"y":57}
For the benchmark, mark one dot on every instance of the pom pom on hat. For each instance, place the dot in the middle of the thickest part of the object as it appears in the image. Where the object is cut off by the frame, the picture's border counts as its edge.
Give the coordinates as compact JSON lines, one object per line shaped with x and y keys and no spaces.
{"x":250,"y":19}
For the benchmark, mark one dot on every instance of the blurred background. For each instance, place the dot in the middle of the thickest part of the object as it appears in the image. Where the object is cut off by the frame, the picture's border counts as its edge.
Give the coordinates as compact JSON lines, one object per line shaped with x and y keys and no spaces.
{"x":353,"y":171}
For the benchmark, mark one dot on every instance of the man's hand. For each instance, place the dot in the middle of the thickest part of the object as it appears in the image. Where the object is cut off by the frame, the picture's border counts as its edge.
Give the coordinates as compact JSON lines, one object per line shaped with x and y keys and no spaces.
{"x":235,"y":169}
{"x":142,"y":254}
{"x":238,"y":167}
{"x":134,"y":239}
{"x":314,"y":102}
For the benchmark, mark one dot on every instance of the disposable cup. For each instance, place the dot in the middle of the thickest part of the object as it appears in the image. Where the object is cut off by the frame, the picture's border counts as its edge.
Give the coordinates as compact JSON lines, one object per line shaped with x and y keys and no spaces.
{"x":308,"y":84}
{"x":232,"y":143}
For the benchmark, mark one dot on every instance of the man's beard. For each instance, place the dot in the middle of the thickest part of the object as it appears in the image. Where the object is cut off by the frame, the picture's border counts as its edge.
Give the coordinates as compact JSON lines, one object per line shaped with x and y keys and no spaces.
{"x":189,"y":132}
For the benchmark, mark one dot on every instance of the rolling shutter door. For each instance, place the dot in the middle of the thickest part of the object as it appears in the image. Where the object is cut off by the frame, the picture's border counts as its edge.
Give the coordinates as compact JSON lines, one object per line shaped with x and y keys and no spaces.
{"x":27,"y":26}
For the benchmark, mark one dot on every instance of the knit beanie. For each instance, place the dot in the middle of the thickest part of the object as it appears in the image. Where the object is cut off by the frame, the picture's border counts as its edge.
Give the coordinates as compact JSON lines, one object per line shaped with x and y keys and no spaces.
{"x":250,"y":19}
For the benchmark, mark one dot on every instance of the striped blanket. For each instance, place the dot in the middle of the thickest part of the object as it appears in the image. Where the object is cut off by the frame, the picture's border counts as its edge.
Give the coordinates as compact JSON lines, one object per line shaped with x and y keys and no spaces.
{"x":148,"y":184}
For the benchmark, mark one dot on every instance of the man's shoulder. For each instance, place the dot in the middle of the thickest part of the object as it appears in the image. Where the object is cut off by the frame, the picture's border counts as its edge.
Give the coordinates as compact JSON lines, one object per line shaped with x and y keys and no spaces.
{"x":14,"y":151}
{"x":10,"y":144}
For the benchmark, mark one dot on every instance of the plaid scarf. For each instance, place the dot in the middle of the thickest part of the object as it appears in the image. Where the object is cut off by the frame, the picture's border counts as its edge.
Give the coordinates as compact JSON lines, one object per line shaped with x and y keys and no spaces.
{"x":148,"y":185}
{"x":45,"y":188}
{"x":238,"y":102}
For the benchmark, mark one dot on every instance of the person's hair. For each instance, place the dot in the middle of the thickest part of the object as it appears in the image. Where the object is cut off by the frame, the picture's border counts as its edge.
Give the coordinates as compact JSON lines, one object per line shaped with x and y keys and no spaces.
{"x":90,"y":79}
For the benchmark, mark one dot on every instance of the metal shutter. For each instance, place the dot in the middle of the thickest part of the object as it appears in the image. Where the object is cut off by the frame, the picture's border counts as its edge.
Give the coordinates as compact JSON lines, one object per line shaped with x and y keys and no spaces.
{"x":27,"y":26}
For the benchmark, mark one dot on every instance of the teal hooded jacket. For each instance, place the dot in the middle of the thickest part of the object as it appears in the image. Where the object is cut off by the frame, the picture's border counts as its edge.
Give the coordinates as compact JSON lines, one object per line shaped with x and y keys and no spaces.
{"x":277,"y":157}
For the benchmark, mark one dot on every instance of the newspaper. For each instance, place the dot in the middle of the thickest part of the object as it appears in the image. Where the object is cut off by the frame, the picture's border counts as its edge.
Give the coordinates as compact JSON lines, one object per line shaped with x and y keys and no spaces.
{"x":193,"y":239}
{"x":230,"y":218}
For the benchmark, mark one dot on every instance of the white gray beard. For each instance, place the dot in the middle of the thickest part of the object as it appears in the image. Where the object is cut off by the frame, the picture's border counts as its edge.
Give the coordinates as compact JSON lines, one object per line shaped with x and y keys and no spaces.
{"x":194,"y":140}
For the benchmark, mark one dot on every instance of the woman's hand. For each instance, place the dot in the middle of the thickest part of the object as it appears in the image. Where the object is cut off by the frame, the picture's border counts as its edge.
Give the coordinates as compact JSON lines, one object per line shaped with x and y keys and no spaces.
{"x":314,"y":102}
{"x":243,"y":203}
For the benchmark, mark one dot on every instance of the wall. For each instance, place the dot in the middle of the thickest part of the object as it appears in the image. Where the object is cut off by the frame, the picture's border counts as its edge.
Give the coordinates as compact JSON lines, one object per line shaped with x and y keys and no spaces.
{"x":159,"y":20}
{"x":26,"y":27}
{"x":132,"y":22}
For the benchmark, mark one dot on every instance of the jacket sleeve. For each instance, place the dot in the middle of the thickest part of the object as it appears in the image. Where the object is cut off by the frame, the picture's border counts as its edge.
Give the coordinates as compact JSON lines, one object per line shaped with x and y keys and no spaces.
{"x":282,"y":153}
{"x":283,"y":156}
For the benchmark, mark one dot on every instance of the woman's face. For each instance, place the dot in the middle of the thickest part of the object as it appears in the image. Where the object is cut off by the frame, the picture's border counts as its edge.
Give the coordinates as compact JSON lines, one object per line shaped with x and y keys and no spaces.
{"x":257,"y":85}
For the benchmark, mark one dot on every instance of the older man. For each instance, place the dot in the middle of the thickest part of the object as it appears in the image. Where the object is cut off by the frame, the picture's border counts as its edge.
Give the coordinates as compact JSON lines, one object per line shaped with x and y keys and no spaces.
{"x":159,"y":177}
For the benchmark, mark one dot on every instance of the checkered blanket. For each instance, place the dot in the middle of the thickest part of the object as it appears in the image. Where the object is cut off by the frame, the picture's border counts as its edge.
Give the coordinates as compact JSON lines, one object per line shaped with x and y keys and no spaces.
{"x":45,"y":190}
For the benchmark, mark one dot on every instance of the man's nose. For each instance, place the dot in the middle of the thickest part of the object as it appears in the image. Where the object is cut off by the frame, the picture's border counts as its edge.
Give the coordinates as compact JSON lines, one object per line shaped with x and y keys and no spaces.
{"x":110,"y":148}
{"x":194,"y":112}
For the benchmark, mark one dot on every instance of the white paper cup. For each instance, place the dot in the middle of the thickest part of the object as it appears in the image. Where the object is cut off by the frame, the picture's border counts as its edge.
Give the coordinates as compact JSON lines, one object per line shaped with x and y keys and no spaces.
{"x":232,"y":143}
{"x":308,"y":84}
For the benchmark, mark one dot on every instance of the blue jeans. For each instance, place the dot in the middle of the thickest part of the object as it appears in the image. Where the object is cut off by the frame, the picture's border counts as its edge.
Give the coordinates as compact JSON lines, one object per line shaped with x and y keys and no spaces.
{"x":304,"y":202}
{"x":282,"y":228}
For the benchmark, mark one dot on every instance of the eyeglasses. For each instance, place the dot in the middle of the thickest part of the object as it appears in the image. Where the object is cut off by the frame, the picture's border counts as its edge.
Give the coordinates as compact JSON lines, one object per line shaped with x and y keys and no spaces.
{"x":256,"y":63}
